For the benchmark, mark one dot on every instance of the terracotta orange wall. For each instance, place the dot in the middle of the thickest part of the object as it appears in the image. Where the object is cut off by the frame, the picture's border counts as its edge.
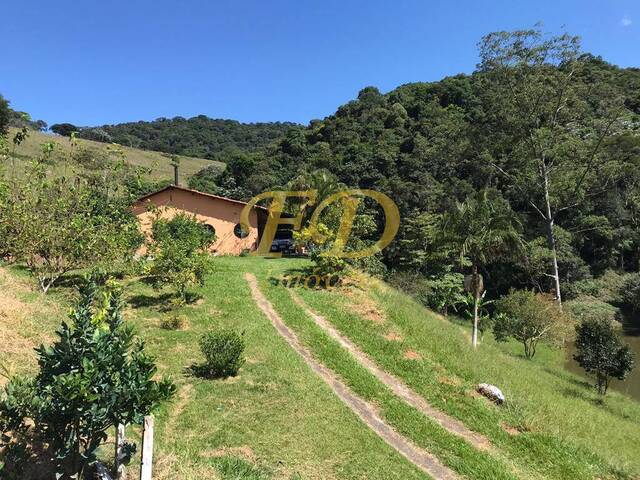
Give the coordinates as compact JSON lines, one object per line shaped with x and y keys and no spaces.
{"x":222,"y":215}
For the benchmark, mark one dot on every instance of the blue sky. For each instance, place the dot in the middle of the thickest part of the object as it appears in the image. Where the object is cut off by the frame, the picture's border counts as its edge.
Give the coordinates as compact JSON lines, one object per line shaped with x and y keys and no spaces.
{"x":98,"y":62}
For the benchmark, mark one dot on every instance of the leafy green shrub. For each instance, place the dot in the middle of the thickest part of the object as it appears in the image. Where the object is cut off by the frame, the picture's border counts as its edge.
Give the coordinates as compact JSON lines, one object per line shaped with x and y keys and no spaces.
{"x":223,"y":352}
{"x":602,"y":353}
{"x":528,"y":318}
{"x":56,"y":224}
{"x":446,"y":292}
{"x":606,"y":288}
{"x":95,"y":376}
{"x":178,"y":250}
{"x":441,"y":294}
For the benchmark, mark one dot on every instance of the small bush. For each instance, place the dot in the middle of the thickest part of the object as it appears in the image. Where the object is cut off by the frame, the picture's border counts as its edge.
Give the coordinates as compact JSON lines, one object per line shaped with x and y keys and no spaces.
{"x":223,"y":351}
{"x":528,"y":318}
{"x":601,"y":352}
{"x":173,"y":322}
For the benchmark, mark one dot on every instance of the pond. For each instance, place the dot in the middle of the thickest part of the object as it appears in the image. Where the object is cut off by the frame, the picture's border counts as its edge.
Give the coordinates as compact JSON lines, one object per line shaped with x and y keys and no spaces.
{"x":631,"y":336}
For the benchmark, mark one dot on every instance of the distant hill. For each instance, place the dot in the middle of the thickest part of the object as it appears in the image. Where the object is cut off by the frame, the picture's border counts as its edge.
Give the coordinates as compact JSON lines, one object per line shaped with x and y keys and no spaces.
{"x":199,"y":136}
{"x":159,"y":164}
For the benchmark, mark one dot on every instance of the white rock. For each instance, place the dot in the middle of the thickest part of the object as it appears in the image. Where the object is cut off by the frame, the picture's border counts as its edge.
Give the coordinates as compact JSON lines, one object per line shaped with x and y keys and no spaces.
{"x":492,"y":392}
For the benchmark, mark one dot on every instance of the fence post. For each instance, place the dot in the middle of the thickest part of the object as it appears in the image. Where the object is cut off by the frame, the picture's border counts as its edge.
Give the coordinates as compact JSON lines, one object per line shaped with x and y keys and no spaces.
{"x":120,"y":441}
{"x":147,"y":449}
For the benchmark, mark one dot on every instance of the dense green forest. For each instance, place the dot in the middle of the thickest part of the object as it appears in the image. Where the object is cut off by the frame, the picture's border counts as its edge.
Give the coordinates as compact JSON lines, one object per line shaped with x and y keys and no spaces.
{"x":537,"y":111}
{"x":199,"y":136}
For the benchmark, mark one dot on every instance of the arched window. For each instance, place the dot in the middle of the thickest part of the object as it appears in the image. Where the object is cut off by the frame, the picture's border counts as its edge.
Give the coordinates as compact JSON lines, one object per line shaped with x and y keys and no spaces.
{"x":240,"y":232}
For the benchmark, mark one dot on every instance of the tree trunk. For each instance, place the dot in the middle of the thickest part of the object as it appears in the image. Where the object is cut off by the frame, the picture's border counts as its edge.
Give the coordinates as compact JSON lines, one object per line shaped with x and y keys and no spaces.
{"x":146,"y":463}
{"x":551,"y":240}
{"x":475,"y":282}
{"x":119,"y":470}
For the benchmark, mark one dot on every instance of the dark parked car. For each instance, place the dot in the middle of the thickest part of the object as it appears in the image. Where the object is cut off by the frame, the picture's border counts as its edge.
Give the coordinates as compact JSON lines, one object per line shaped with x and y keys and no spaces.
{"x":283,"y":242}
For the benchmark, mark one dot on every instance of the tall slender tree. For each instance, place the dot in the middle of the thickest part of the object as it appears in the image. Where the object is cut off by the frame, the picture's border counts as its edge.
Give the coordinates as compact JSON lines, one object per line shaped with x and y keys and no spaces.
{"x":546,"y":121}
{"x":481,"y":229}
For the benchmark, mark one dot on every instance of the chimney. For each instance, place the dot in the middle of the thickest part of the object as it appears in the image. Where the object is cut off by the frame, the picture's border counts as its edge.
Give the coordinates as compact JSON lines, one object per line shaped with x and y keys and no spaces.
{"x":176,"y":176}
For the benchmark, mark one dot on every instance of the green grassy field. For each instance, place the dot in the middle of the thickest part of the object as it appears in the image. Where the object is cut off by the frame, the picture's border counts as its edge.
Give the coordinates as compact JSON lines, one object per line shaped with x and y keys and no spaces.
{"x":157,"y":162}
{"x":276,"y":419}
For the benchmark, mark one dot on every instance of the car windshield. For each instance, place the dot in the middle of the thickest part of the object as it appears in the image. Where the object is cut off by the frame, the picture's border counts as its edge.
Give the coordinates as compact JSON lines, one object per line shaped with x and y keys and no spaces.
{"x":284,"y":235}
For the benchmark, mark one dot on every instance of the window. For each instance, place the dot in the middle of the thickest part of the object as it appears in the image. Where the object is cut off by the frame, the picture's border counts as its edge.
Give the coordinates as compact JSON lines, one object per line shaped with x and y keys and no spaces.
{"x":239,"y":232}
{"x":210,"y":229}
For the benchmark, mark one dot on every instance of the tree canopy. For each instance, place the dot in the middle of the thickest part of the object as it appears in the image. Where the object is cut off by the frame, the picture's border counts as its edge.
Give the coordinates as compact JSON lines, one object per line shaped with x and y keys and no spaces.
{"x":199,"y":136}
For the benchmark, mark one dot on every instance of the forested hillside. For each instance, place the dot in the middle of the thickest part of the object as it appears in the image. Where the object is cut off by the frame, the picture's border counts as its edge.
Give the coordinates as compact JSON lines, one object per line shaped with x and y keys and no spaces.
{"x":527,"y":117}
{"x":199,"y":136}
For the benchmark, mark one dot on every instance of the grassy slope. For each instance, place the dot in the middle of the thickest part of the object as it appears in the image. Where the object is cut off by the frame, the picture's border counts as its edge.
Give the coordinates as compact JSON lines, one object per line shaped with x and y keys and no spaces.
{"x":276,"y":419}
{"x":561,"y":422}
{"x":158,"y":163}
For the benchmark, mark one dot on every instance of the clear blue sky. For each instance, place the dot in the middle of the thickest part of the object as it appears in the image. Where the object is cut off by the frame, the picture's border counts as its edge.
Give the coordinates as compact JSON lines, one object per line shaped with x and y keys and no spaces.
{"x":98,"y":62}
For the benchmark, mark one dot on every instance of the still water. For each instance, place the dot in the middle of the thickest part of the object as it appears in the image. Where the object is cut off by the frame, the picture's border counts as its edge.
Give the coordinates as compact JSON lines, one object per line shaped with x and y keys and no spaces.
{"x":631,"y":336}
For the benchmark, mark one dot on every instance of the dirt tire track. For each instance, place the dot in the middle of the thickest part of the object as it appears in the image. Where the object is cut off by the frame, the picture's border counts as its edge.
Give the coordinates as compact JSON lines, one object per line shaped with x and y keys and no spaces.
{"x":416,"y":455}
{"x":396,"y":385}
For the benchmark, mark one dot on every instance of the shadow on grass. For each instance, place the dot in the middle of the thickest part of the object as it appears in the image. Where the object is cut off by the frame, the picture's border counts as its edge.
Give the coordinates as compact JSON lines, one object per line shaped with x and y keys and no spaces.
{"x":568,"y":377}
{"x":147,"y":301}
{"x":202,"y":370}
{"x":70,"y":280}
{"x":598,"y":401}
{"x":164,"y":302}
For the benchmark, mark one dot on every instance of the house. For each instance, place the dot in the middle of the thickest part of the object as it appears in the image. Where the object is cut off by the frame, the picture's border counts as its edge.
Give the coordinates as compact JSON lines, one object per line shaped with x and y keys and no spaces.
{"x":221,"y":214}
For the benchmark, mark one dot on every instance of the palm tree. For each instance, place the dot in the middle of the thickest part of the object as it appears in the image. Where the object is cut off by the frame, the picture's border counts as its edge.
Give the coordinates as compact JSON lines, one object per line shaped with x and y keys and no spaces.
{"x":481,"y":229}
{"x":322,"y":181}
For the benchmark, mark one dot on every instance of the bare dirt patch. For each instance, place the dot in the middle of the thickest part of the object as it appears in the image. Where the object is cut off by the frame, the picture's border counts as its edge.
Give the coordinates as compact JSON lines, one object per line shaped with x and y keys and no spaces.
{"x":361,"y":304}
{"x":169,"y":467}
{"x":244,"y":452}
{"x":411,"y":355}
{"x":393,"y":336}
{"x":448,"y":380}
{"x":511,"y":430}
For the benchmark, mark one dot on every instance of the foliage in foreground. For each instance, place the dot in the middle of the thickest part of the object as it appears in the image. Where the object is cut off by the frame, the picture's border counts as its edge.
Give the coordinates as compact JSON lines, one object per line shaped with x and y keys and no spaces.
{"x":602,"y":353}
{"x":95,"y":376}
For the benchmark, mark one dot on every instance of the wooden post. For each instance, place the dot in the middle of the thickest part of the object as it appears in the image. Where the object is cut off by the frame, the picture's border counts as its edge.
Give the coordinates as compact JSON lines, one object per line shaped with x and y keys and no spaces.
{"x":120,"y":441}
{"x":147,"y":449}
